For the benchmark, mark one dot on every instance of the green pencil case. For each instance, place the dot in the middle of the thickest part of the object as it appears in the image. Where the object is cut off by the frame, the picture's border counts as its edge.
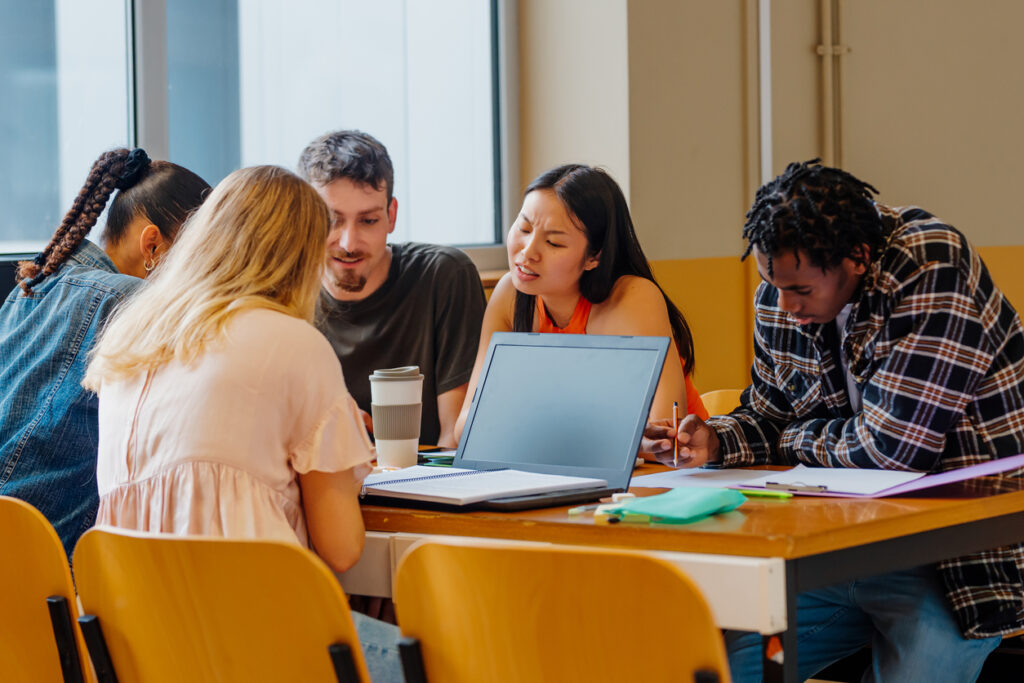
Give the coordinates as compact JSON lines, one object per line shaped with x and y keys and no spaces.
{"x":681,"y":505}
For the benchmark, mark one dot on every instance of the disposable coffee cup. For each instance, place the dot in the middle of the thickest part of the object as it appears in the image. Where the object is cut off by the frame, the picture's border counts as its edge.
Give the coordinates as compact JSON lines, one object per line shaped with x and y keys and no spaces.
{"x":396,"y":404}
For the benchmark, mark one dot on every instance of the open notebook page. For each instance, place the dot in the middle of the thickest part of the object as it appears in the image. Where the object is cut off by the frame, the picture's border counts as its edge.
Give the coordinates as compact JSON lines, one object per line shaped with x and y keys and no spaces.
{"x":458,"y":486}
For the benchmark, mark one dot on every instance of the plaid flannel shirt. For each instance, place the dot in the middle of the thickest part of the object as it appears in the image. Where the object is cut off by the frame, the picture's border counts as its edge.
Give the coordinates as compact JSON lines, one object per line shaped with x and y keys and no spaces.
{"x":938,"y":353}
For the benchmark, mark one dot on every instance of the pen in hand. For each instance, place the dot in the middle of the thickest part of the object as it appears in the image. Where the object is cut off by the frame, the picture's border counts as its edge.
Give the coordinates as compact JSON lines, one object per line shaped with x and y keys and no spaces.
{"x":675,"y":434}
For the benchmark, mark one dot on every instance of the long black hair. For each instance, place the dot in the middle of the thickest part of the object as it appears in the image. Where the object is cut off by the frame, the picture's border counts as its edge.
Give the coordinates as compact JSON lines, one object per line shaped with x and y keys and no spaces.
{"x":163,"y":192}
{"x":597,"y":202}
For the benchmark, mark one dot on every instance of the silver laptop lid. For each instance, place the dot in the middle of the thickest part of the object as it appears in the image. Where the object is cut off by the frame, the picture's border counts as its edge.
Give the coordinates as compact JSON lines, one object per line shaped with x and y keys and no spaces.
{"x":562,"y":404}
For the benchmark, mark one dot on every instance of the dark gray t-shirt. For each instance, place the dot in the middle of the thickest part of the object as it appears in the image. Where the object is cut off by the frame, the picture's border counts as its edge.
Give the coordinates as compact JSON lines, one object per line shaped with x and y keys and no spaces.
{"x":427,"y":313}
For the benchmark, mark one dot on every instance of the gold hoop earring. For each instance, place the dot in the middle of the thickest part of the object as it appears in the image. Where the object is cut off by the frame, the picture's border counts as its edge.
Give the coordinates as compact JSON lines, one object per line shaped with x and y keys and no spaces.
{"x":149,"y":265}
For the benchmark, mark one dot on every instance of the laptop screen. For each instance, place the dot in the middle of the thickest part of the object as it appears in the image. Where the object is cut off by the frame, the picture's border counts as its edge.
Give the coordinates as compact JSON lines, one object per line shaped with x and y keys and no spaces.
{"x":562,"y":404}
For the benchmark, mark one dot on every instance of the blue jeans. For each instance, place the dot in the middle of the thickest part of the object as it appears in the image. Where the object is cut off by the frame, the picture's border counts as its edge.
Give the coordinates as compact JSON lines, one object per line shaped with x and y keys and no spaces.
{"x":905,"y":618}
{"x":380,"y":648}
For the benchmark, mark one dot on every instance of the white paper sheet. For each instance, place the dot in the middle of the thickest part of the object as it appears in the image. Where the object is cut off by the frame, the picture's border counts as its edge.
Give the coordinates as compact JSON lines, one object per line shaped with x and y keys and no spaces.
{"x":838,"y":482}
{"x":456,"y":486}
{"x":834,"y":480}
{"x":696,"y":477}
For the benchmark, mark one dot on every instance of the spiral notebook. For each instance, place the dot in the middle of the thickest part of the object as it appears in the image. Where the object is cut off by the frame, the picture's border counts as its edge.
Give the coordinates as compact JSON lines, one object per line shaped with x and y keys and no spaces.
{"x":556,"y":419}
{"x":457,"y":486}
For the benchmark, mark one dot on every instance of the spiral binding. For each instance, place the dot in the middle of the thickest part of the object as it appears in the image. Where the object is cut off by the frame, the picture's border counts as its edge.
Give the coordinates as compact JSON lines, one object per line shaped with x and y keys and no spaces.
{"x":433,"y":476}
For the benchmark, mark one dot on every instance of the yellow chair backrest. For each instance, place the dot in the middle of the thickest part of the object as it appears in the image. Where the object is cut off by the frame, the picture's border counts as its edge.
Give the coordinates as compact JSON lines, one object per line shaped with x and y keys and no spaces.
{"x":722,"y":401}
{"x":33,"y":569}
{"x":486,"y":611}
{"x":211,"y":609}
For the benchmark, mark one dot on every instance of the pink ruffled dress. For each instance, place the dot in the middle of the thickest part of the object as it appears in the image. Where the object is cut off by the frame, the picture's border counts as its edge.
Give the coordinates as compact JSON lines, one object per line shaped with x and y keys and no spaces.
{"x":216,"y":447}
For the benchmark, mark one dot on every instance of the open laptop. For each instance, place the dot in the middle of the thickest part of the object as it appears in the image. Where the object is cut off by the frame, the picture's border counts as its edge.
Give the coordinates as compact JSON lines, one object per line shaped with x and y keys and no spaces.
{"x":560,"y":404}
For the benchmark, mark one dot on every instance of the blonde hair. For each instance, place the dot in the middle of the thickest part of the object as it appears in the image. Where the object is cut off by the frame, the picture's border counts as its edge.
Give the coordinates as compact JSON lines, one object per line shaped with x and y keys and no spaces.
{"x":258,"y":241}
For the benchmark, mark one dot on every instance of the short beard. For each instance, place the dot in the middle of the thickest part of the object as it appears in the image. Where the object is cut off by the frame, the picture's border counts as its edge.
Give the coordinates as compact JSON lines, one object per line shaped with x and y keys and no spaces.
{"x":350,"y":282}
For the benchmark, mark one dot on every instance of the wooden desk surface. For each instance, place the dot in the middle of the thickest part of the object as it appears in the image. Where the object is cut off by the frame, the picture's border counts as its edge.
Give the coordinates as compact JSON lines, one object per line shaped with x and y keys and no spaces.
{"x":762,"y":527}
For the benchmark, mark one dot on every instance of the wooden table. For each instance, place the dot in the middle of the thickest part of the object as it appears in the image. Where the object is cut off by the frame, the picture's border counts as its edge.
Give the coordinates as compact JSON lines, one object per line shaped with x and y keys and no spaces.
{"x":750,"y":563}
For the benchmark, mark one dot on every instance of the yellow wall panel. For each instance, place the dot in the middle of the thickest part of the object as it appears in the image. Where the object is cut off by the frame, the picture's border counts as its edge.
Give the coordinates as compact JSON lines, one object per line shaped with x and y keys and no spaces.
{"x":1004,"y":266}
{"x":713,"y":294}
{"x":716,"y":295}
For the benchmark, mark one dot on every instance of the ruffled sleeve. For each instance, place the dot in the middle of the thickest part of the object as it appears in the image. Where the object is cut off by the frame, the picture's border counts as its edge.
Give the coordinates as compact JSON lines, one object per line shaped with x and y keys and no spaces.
{"x":337,"y":442}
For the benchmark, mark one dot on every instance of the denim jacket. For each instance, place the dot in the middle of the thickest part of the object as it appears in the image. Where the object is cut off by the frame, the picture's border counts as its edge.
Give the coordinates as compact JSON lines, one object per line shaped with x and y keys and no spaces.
{"x":48,"y":429}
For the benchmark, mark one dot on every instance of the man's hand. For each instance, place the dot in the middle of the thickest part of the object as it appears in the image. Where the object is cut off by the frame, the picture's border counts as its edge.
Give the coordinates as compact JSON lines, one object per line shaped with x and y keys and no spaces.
{"x":657,"y":438}
{"x":698,"y":443}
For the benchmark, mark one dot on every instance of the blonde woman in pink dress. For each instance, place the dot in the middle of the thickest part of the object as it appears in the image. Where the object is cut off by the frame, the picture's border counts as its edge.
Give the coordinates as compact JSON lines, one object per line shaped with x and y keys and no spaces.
{"x":222,"y":410}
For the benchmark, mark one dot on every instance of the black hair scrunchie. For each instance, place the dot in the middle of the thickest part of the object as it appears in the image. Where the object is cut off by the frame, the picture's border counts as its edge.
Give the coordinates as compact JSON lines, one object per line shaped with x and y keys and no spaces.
{"x":134,"y":167}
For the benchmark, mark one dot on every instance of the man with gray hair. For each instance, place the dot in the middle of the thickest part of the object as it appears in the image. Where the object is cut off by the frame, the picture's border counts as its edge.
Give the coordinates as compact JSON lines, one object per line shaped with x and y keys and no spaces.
{"x":385,"y":305}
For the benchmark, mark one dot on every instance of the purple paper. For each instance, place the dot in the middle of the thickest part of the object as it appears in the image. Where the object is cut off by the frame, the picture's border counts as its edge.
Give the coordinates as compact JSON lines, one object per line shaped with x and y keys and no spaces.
{"x":929,"y":480}
{"x":964,"y":473}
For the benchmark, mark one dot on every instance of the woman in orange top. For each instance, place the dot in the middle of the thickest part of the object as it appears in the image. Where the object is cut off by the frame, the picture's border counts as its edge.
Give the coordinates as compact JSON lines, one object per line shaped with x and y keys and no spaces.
{"x":576,"y":267}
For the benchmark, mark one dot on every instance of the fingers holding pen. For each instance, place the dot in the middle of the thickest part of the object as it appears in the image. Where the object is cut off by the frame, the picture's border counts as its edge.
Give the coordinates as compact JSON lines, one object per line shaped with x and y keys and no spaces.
{"x":697,"y":442}
{"x":658,"y":436}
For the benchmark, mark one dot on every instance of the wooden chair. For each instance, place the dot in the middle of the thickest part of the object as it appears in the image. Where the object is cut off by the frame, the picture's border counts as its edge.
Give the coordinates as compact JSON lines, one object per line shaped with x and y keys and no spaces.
{"x":477,"y":611}
{"x":39,"y":640}
{"x":721,"y":401}
{"x":165,"y":608}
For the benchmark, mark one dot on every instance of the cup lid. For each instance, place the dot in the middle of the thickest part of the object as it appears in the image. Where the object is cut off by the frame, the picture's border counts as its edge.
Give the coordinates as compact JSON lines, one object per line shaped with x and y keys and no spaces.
{"x":389,"y":374}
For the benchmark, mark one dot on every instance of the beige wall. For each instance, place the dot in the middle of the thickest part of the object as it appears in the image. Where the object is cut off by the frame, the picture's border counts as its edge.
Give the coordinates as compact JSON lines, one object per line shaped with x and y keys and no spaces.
{"x":796,"y":83}
{"x":928,"y":102}
{"x":573,"y":86}
{"x":659,"y":93}
{"x":663,"y":93}
{"x":693,"y":166}
{"x":693,"y":125}
{"x":936,"y":120}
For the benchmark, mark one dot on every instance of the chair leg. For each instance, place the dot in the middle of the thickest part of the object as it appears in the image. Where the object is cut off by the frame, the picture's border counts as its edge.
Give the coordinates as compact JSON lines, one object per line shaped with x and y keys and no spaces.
{"x":97,"y":645}
{"x":412,"y":660}
{"x":64,"y":635}
{"x":344,"y":663}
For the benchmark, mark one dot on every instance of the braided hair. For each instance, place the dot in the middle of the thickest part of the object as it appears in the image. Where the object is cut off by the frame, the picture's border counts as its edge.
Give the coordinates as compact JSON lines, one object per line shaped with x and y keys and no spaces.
{"x":595,"y":199}
{"x":824,"y":212}
{"x":163,"y":192}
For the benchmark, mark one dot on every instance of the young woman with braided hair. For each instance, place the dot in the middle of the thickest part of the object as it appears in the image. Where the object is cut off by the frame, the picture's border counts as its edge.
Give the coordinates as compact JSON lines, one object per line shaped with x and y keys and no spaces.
{"x":48,"y":422}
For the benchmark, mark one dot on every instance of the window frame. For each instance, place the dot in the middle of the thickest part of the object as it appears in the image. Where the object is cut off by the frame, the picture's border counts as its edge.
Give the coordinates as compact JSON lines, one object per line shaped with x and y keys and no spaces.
{"x":151,"y":130}
{"x":505,"y":76}
{"x":149,"y":125}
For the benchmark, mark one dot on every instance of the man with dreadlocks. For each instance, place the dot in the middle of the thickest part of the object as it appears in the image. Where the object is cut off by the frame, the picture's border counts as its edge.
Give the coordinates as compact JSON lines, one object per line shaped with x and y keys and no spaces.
{"x":880,"y":342}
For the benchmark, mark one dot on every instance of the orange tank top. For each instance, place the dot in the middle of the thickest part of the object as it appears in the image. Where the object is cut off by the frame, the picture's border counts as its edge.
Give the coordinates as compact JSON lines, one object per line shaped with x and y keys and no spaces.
{"x":578,"y":325}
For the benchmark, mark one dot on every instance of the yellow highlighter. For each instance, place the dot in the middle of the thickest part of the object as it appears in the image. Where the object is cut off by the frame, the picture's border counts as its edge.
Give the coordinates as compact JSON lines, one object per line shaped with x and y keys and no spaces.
{"x":762,"y":493}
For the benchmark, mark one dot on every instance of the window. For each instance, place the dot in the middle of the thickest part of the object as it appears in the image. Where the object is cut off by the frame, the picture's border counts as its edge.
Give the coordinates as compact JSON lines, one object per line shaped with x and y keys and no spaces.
{"x":220,"y":84}
{"x":64,"y":79}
